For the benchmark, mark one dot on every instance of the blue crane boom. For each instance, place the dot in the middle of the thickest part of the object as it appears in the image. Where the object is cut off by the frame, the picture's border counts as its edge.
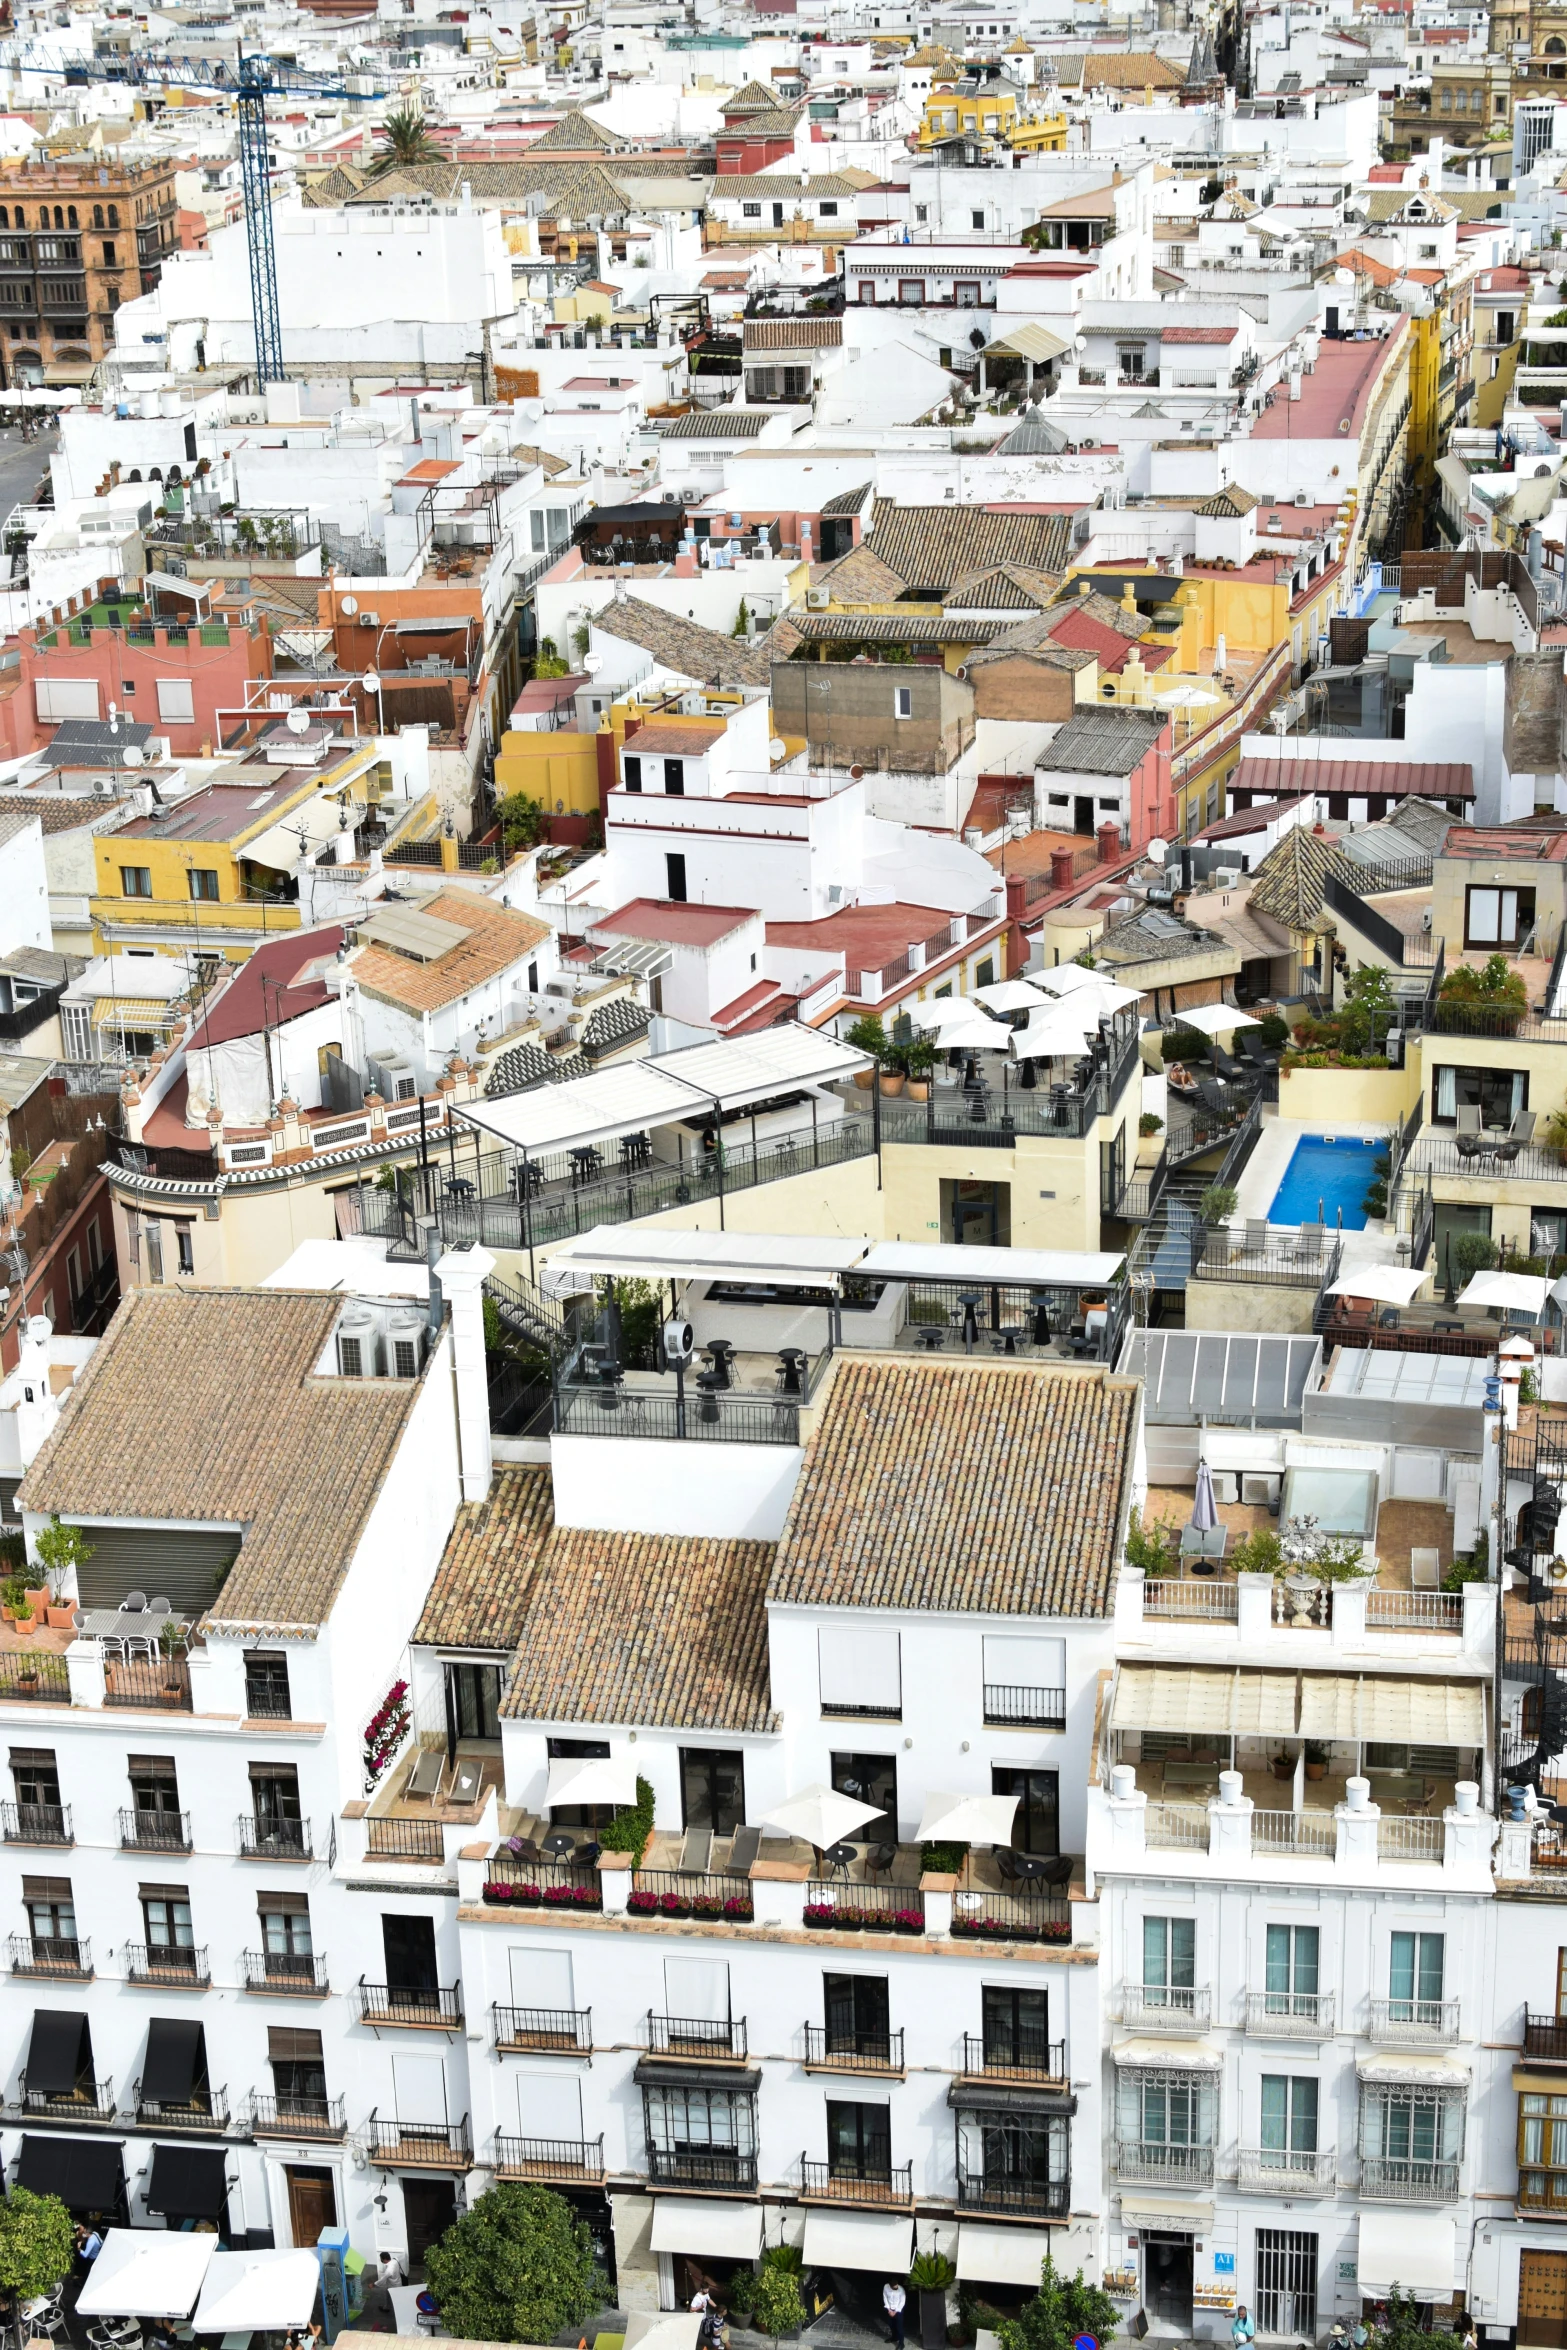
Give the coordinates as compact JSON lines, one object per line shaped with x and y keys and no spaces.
{"x":250,"y":83}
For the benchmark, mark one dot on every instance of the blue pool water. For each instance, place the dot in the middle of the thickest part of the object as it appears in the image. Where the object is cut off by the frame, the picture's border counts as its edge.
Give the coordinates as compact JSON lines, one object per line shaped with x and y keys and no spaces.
{"x":1325,"y":1177}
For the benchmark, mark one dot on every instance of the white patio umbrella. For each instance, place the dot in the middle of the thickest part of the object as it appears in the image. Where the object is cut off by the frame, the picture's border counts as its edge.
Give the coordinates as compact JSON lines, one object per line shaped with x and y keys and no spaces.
{"x":1057,"y":1030}
{"x":1525,"y":1293}
{"x":1213,"y":1019}
{"x":591,"y":1779}
{"x":257,"y":2292}
{"x":1009,"y":995}
{"x":146,"y":2272}
{"x":1095,"y":989}
{"x":960,"y":1025}
{"x":968,"y":1819}
{"x":820,"y":1815}
{"x":1066,"y":978}
{"x":1393,"y":1285}
{"x":1205,"y":1510}
{"x":649,"y":2330}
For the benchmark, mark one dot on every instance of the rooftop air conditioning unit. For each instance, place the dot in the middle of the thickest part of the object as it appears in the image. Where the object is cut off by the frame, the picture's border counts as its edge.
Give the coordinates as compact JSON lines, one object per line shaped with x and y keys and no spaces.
{"x":359,"y":1344}
{"x":394,"y":1080}
{"x":1258,"y":1489}
{"x":818,"y":598}
{"x":1225,"y":876}
{"x":1303,"y":497}
{"x":405,"y":1343}
{"x":1088,"y":441}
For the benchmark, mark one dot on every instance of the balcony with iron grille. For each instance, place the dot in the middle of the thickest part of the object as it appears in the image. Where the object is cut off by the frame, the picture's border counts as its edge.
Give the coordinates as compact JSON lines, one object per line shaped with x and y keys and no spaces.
{"x":830,"y":2051}
{"x":718,"y":2168}
{"x":828,"y":2182}
{"x":697,"y":2039}
{"x":1426,"y":2023}
{"x":166,"y":1965}
{"x":1141,"y":2162}
{"x":1016,"y":2198}
{"x":37,"y":1823}
{"x":285,"y":1974}
{"x":60,"y":1957}
{"x":1290,"y":2015}
{"x":273,"y":1839}
{"x":297,"y":2117}
{"x":1014,"y":2057}
{"x":1281,"y":2170}
{"x":410,"y":2007}
{"x":1545,"y":2038}
{"x":155,"y":1831}
{"x":1167,"y":2007}
{"x":207,"y":2111}
{"x":550,"y":2161}
{"x":400,"y":2145}
{"x":544,"y":2031}
{"x":1011,"y":1705}
{"x":90,"y":2101}
{"x":1392,"y":2179}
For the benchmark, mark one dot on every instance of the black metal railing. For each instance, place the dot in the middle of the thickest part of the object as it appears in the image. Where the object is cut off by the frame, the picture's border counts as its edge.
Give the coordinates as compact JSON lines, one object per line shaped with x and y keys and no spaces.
{"x":696,"y":2036}
{"x":155,"y":1831}
{"x":1278,"y":1261}
{"x":690,"y":1893}
{"x":854,"y":2052}
{"x":1019,"y":2058}
{"x":208,"y":2112}
{"x":419,"y":2145}
{"x":566,"y":2031}
{"x":405,"y":2003}
{"x":540,"y":1884}
{"x":700,"y":2166}
{"x":89,"y":2101}
{"x":548,"y":2159}
{"x":975,"y":1115}
{"x":37,"y":1823}
{"x":993,"y":2191}
{"x":1011,"y":1703}
{"x":291,"y":1973}
{"x":724,"y":1417}
{"x":882,"y":1909}
{"x":163,"y":1683}
{"x":65,"y":1955}
{"x":1545,"y":2037}
{"x":297,"y":2117}
{"x":180,"y":1967}
{"x":1012,"y":1917}
{"x":273,"y":1839}
{"x":404,"y":1840}
{"x":831,"y":2182}
{"x":29,"y":1673}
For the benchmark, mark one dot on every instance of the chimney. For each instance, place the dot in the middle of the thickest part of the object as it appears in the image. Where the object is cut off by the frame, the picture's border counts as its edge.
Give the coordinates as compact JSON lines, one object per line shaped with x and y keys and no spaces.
{"x":1109,"y":842}
{"x":460,"y":1277}
{"x":37,"y":1407}
{"x":1061,"y":863}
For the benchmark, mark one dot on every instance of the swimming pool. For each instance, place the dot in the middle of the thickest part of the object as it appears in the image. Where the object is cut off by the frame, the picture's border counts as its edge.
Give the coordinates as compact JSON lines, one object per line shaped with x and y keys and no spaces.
{"x":1328,"y":1176}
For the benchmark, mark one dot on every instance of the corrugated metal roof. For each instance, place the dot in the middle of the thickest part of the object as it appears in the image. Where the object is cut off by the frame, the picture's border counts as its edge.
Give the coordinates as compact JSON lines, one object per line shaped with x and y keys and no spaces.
{"x":1385,"y":778}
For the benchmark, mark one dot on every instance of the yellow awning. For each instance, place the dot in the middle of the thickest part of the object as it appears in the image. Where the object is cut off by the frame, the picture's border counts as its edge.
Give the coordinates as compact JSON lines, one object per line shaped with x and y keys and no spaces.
{"x":130,"y":1011}
{"x":1030,"y":341}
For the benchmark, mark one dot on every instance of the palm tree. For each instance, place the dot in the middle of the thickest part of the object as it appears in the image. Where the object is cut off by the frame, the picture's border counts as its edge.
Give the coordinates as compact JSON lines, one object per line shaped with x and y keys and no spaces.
{"x":405,"y":140}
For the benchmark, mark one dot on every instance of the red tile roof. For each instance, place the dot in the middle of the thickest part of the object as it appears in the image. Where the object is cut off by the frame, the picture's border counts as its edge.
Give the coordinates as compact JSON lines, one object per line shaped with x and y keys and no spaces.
{"x":1338,"y":392}
{"x":674,"y":922}
{"x":1199,"y":334}
{"x":1386,"y":778}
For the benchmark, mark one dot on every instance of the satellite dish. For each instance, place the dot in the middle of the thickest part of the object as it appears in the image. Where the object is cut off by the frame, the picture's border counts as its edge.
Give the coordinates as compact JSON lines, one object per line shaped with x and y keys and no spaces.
{"x":298,"y":722}
{"x":855,"y":774}
{"x":372,"y":682}
{"x":1156,"y":851}
{"x":592,"y":663}
{"x":350,"y":605}
{"x":777,"y":750}
{"x":133,"y":756}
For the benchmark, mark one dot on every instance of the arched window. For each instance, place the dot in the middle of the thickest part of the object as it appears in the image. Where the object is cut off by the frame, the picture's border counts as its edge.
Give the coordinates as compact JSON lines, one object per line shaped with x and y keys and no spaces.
{"x":1555,"y":46}
{"x":59,"y":216}
{"x":174,"y":474}
{"x":134,"y":474}
{"x":70,"y":216}
{"x":97,"y":216}
{"x":114,"y":216}
{"x":21,"y":217}
{"x":4,"y":222}
{"x":155,"y":473}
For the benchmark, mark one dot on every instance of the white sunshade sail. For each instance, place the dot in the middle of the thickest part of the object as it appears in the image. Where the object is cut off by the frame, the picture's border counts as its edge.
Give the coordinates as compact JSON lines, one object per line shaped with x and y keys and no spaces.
{"x":875,"y":2241}
{"x":254,"y":2292}
{"x":1019,"y":1268}
{"x":1413,"y":2249}
{"x":743,"y":1069}
{"x":591,"y":1779}
{"x":968,"y":1819}
{"x":723,"y":2231}
{"x":1067,"y":978}
{"x":1524,"y":1293}
{"x":1100,"y":997}
{"x":147,"y":2272}
{"x":657,"y":1254}
{"x":1393,"y":1285}
{"x":820,"y":1815}
{"x":1213,"y":1019}
{"x":1002,"y":2256}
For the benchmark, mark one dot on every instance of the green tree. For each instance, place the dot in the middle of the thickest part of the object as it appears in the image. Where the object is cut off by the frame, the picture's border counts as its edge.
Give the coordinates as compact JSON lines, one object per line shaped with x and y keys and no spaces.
{"x":742,"y":619}
{"x":517,"y":2267}
{"x":1063,"y":2308}
{"x":523,"y":821}
{"x":1368,"y":1008}
{"x":776,"y":2305}
{"x":37,"y":2243}
{"x":404,"y":140}
{"x":867,"y":1035}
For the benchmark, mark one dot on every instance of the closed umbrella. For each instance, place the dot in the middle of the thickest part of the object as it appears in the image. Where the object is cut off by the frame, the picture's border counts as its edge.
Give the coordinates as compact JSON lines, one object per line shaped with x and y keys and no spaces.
{"x":968,"y":1819}
{"x":1205,"y":1510}
{"x":591,"y":1779}
{"x":820,"y":1815}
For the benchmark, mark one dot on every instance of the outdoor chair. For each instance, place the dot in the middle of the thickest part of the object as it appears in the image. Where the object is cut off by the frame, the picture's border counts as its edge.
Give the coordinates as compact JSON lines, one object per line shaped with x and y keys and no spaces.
{"x":1469,"y":1118}
{"x":425,"y":1778}
{"x":1425,"y":1569}
{"x":696,"y":1853}
{"x":1308,"y":1248}
{"x":1256,"y":1235}
{"x":743,"y":1851}
{"x":1521,"y":1130}
{"x":1249,"y":1041}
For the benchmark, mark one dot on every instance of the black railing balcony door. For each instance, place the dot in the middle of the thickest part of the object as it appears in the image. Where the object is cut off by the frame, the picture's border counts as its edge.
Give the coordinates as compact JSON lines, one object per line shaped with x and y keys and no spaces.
{"x":858,"y":2022}
{"x":1016,"y":2031}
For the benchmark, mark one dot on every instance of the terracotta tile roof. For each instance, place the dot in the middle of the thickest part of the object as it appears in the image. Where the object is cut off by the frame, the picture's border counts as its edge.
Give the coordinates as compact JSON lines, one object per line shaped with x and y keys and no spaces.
{"x":1290,"y":881}
{"x":203,"y":1405}
{"x":1200,"y":334}
{"x":961,"y":1486}
{"x":480,"y":1593}
{"x":1006,"y":588}
{"x":793,"y":334}
{"x":931,"y":546}
{"x":1132,"y":71}
{"x":56,"y":811}
{"x":496,"y":938}
{"x":860,"y":577}
{"x":651,"y":1628}
{"x":705,"y":654}
{"x":1231,"y":504}
{"x":576,"y":133}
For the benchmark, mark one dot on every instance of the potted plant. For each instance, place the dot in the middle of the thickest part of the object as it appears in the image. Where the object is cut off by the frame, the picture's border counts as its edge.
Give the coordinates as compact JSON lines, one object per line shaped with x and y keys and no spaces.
{"x":27,"y":1674}
{"x":919,"y":1061}
{"x":1316,"y":1759}
{"x":13,"y":1597}
{"x":62,"y":1551}
{"x":867,"y":1035}
{"x":171,"y":1639}
{"x":931,"y":2275}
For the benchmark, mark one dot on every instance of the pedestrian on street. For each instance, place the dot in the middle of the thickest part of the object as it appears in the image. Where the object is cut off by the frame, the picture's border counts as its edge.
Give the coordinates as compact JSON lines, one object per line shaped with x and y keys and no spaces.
{"x":894,"y":2300}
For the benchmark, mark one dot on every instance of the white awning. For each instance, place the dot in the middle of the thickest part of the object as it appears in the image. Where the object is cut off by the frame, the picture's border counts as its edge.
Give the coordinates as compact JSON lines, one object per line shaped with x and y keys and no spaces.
{"x":1222,"y":1700}
{"x":1002,"y":2256}
{"x":1433,"y":2067}
{"x":1384,"y":1706}
{"x":658,"y":1253}
{"x":745,"y":1069}
{"x":1154,"y":2208}
{"x":1031,"y":1268}
{"x":1392,"y":1285}
{"x":281,"y":846}
{"x":603,"y":1778}
{"x":586,"y":1109}
{"x":1411,"y":2249}
{"x":720,"y":2231}
{"x":1036,"y":342}
{"x":146,"y":2272}
{"x":1214,"y":1700}
{"x":1168,"y":2056}
{"x":257,"y":2292}
{"x":879,"y":2241}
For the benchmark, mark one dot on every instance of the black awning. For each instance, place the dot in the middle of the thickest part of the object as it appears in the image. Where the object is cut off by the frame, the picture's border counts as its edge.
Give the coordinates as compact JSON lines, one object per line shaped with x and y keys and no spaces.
{"x":169,"y":2073}
{"x":675,"y":2072}
{"x":56,"y":2053}
{"x":86,"y":2175}
{"x":187,"y":2182}
{"x":1016,"y":2097}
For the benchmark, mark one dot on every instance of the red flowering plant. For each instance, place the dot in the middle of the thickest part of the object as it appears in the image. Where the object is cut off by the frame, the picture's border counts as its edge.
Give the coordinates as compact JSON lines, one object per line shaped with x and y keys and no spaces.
{"x":385,"y":1731}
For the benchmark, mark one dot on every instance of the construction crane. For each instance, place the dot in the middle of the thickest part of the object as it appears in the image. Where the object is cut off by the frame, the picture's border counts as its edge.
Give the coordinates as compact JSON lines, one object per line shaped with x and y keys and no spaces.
{"x":250,"y":83}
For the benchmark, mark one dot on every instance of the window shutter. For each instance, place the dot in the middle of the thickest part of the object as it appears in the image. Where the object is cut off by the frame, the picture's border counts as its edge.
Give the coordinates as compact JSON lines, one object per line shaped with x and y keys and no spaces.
{"x":1024,"y":1664}
{"x":286,"y":2046}
{"x":861,"y":1670}
{"x":176,"y":702}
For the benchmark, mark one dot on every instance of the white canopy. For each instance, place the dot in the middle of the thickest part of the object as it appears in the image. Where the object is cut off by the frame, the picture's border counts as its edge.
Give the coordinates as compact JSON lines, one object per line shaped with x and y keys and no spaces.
{"x":1008,"y":995}
{"x":877,"y":2241}
{"x":968,"y":1819}
{"x":147,"y":2272}
{"x":656,"y":1253}
{"x":1028,"y":1268}
{"x":255,"y":2292}
{"x":820,"y":1815}
{"x":577,"y":1778}
{"x":1412,"y":2249}
{"x":1525,"y":1293}
{"x":1213,"y":1019}
{"x":1001,"y":2256}
{"x":1067,"y":978}
{"x":689,"y":2224}
{"x":1057,"y":1030}
{"x":1101,"y":996}
{"x":1393,"y":1285}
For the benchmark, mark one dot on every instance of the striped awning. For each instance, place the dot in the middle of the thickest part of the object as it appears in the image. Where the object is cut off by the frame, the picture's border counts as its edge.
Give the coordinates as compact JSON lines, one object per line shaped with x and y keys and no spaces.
{"x":131,"y":1011}
{"x":1224,"y":1701}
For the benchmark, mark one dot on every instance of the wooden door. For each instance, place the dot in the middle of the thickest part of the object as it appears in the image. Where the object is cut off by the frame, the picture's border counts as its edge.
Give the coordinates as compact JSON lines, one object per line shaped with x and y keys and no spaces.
{"x":1542,"y":2300}
{"x":312,"y":2205}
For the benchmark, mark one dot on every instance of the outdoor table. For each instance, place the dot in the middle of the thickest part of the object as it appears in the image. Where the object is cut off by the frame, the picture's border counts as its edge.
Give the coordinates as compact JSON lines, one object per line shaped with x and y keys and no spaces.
{"x":838,"y":1858}
{"x":1029,"y":1867}
{"x":560,"y":1846}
